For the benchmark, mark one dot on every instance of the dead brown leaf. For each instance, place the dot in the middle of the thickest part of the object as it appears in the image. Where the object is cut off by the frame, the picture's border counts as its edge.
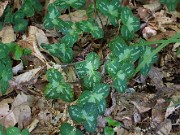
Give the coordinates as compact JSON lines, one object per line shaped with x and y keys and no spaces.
{"x":76,"y":16}
{"x":2,"y":7}
{"x":7,"y":34}
{"x":31,"y":43}
{"x":7,"y":117}
{"x":21,"y":109}
{"x":30,"y":75}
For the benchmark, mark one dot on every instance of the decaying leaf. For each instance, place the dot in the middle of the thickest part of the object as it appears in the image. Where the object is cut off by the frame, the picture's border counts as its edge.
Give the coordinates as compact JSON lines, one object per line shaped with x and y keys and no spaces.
{"x":17,"y":68}
{"x":158,"y":112}
{"x":164,"y":128}
{"x":30,"y":75}
{"x":21,"y":109}
{"x":2,"y":7}
{"x":76,"y":16}
{"x":7,"y":34}
{"x":31,"y":43}
{"x":7,"y":117}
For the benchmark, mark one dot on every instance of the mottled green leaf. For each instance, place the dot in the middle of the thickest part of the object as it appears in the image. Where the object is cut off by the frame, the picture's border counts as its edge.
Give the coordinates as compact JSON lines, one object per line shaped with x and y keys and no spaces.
{"x":13,"y":131}
{"x":120,"y":83}
{"x":131,"y":23}
{"x":64,"y":4}
{"x":146,"y":52}
{"x":61,"y":51}
{"x":110,"y":9}
{"x":57,"y":88}
{"x":171,"y":4}
{"x":98,"y":93}
{"x":108,"y":131}
{"x":92,"y":27}
{"x":67,"y":129}
{"x":87,"y":115}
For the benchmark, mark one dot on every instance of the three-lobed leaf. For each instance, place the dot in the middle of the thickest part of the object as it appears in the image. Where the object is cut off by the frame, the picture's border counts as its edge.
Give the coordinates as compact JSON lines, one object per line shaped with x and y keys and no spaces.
{"x":57,"y":88}
{"x":110,"y":9}
{"x":60,"y":50}
{"x":82,"y":114}
{"x":86,"y":70}
{"x":96,"y":96}
{"x":130,"y":23}
{"x":92,"y":27}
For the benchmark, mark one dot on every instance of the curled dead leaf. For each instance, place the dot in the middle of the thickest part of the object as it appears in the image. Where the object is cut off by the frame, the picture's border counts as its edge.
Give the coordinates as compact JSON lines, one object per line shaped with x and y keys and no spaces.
{"x":30,"y":75}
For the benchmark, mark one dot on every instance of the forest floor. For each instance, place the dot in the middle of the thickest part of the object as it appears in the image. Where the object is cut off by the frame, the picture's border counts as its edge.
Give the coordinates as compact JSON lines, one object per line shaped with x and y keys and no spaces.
{"x":151,"y":107}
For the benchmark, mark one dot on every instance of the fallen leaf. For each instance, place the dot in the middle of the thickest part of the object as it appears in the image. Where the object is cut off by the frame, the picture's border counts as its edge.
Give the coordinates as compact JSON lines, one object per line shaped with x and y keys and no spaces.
{"x":27,"y":76}
{"x":158,"y":112}
{"x":7,"y":34}
{"x":39,"y":34}
{"x":76,"y":16}
{"x":7,"y":117}
{"x":22,"y":110}
{"x":172,"y":106}
{"x":17,"y":68}
{"x":140,"y":107}
{"x":164,"y":128}
{"x":31,"y":43}
{"x":2,"y":7}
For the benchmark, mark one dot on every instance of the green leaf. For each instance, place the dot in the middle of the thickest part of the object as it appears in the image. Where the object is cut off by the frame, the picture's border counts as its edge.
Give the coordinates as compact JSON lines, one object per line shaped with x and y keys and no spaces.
{"x":102,"y":106}
{"x":64,"y":4}
{"x":25,"y":132}
{"x":92,"y":61}
{"x":2,"y":130}
{"x":13,"y":131}
{"x":117,"y":45}
{"x":112,"y":122}
{"x":128,"y":69}
{"x":57,"y":88}
{"x":87,"y":70}
{"x":92,"y":79}
{"x":147,"y":51}
{"x":110,"y":9}
{"x":108,"y":131}
{"x":21,"y":25}
{"x":113,"y":66}
{"x":27,"y":8}
{"x":4,"y":50}
{"x":120,"y":83}
{"x":92,"y":27}
{"x":131,"y":23}
{"x":67,"y":129}
{"x":98,"y":93}
{"x":87,"y":115}
{"x":8,"y":16}
{"x":171,"y":4}
{"x":51,"y":19}
{"x":61,"y":51}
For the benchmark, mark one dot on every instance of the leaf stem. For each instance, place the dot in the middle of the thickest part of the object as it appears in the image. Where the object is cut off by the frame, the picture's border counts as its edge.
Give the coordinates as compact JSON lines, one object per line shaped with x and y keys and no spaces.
{"x":154,"y":52}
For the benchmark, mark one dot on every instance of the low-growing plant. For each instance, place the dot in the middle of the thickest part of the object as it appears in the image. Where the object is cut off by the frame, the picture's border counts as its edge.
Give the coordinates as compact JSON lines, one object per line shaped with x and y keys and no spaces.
{"x":18,"y":18}
{"x":7,"y":52}
{"x":124,"y":61}
{"x":171,"y":4}
{"x":13,"y":131}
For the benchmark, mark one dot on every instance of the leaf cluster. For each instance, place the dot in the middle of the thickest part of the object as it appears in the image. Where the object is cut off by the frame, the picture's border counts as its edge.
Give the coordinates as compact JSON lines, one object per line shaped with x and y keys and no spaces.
{"x":13,"y":131}
{"x":8,"y":51}
{"x":18,"y":18}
